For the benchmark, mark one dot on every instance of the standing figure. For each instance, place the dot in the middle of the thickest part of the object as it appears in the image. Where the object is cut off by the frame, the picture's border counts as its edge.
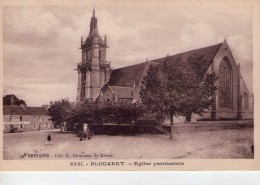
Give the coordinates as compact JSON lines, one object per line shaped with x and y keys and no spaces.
{"x":81,"y":137}
{"x":48,"y":140}
{"x":85,"y":135}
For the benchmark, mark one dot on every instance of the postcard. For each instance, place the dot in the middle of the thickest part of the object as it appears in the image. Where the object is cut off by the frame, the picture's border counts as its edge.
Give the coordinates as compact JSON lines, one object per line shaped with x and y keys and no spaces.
{"x":129,"y":85}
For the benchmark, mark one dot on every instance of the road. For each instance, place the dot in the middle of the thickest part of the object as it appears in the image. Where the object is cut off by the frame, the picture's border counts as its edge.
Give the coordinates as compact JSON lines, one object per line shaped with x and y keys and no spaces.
{"x":222,"y":144}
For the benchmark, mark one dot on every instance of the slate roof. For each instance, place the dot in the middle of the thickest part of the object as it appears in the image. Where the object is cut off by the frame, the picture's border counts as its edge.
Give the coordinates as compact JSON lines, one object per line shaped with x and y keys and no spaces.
{"x":122,"y":92}
{"x":207,"y":52}
{"x":126,"y":76}
{"x":129,"y":75}
{"x":18,"y":110}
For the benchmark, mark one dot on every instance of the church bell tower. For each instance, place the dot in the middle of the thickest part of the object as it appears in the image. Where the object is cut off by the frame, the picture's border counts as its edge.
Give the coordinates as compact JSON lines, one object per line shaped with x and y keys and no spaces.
{"x":93,"y":70}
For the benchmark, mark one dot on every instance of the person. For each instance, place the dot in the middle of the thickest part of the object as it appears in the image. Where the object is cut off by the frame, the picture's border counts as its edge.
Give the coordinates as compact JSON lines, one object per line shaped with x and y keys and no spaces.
{"x":81,"y":136}
{"x":85,"y":135}
{"x":12,"y":128}
{"x":48,"y":140}
{"x":252,"y":149}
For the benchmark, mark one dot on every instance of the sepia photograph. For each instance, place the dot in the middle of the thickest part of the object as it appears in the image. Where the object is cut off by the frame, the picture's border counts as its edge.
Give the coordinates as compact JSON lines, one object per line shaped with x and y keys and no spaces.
{"x":128,"y":84}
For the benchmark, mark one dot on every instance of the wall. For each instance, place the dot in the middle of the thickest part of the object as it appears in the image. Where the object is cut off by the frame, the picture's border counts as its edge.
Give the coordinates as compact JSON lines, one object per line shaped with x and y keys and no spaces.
{"x":247,"y":111}
{"x":223,"y":52}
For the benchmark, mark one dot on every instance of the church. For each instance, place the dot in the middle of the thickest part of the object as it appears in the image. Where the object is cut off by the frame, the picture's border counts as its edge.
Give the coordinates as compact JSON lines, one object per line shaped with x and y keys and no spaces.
{"x":96,"y":79}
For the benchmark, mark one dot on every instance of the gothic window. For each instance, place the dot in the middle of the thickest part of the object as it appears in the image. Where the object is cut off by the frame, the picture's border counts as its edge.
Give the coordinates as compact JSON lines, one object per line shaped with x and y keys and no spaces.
{"x":245,"y":101}
{"x":225,"y":84}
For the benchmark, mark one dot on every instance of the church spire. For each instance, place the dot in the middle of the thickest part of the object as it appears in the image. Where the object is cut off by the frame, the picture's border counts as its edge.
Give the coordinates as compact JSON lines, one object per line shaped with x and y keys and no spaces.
{"x":93,"y":32}
{"x":93,"y":24}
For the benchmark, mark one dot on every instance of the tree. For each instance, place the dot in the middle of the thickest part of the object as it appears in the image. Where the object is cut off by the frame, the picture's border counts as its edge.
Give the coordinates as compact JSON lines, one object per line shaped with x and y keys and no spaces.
{"x":178,"y":87}
{"x":99,"y":112}
{"x":59,"y":111}
{"x":84,"y":112}
{"x":11,"y":99}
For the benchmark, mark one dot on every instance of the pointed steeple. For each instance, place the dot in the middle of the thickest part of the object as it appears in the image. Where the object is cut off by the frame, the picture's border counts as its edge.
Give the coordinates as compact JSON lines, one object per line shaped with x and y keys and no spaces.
{"x":93,"y":23}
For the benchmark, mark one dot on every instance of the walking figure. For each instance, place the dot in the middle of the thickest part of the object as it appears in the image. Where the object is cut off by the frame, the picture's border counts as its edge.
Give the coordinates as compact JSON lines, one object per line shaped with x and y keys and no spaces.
{"x":81,"y":136}
{"x":48,"y":140}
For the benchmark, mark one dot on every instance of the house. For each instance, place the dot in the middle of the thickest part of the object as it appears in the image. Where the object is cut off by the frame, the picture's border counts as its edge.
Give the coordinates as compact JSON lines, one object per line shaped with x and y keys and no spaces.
{"x":25,"y":118}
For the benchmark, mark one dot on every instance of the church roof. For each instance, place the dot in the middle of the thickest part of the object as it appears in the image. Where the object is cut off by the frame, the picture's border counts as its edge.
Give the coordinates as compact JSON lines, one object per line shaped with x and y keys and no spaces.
{"x":126,"y":76}
{"x":207,"y":52}
{"x":122,"y":92}
{"x":129,"y":75}
{"x":18,"y":110}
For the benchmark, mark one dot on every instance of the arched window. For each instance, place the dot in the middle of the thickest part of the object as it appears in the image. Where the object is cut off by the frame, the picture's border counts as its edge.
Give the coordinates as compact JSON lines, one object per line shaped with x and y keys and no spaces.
{"x":225,"y":84}
{"x":245,"y":101}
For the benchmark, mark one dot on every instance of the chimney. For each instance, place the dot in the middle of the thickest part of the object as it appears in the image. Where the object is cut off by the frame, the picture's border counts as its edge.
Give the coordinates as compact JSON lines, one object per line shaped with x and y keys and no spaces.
{"x":12,"y":100}
{"x":23,"y":106}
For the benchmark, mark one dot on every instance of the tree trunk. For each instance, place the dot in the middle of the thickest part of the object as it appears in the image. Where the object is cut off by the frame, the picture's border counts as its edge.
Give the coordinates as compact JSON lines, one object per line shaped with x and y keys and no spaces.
{"x":188,"y":116}
{"x":171,"y":133}
{"x":61,"y":126}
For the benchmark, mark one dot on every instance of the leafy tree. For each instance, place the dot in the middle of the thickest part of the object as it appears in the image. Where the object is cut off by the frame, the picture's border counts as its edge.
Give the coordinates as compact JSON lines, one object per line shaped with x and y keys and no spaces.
{"x":11,"y":99}
{"x":126,"y":112}
{"x":179,"y":87}
{"x":59,"y":111}
{"x":99,"y":112}
{"x":84,"y":112}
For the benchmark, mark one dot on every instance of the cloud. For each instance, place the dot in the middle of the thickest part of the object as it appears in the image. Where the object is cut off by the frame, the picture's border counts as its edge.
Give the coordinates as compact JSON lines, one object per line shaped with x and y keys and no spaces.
{"x":36,"y":94}
{"x":241,"y":48}
{"x":29,"y":24}
{"x":197,"y":35}
{"x":125,"y":39}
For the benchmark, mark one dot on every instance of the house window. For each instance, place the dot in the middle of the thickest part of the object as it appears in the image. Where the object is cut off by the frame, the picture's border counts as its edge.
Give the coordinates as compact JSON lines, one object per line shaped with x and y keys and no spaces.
{"x":245,"y":101}
{"x":11,"y":118}
{"x":21,"y":118}
{"x":34,"y":125}
{"x":225,"y":84}
{"x":21,"y":126}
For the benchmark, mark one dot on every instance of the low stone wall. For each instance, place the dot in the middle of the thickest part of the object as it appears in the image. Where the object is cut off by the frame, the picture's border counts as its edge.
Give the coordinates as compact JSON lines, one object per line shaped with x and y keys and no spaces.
{"x":210,"y":126}
{"x":178,"y":128}
{"x":122,"y":129}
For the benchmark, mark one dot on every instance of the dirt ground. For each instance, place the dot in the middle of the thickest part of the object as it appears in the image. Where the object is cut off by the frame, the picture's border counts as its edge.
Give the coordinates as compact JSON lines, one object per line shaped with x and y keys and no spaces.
{"x":222,"y":144}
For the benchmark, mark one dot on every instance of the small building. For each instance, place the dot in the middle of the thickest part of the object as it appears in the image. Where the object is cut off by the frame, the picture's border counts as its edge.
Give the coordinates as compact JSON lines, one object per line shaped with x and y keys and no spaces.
{"x":26,"y":118}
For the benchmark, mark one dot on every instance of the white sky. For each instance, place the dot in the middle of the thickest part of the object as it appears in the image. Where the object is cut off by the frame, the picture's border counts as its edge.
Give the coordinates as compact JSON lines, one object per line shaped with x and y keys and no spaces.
{"x":41,"y":43}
